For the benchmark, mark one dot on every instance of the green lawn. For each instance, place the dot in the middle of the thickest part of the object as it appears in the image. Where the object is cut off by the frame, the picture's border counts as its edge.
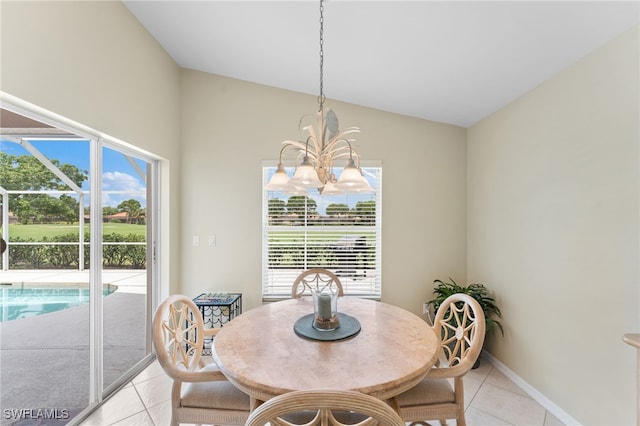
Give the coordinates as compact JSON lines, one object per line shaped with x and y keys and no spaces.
{"x":37,"y":232}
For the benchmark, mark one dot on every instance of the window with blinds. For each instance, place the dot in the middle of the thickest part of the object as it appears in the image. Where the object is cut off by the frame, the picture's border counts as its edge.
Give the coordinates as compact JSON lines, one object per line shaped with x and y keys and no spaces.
{"x":341,"y":233}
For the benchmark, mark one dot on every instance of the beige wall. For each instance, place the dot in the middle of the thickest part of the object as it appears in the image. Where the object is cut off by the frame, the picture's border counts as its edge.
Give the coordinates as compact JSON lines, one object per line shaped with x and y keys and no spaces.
{"x":230,"y":126}
{"x":93,"y":63}
{"x":553,"y":186}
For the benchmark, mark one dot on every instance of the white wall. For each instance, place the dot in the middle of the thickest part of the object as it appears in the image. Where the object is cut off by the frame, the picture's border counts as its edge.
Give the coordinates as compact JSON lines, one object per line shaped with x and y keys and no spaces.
{"x":553,"y":229}
{"x":93,"y":63}
{"x":229,"y":127}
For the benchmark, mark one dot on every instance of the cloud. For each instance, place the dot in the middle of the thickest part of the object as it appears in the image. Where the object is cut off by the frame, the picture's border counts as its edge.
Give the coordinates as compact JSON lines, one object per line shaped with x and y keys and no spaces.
{"x":118,"y":187}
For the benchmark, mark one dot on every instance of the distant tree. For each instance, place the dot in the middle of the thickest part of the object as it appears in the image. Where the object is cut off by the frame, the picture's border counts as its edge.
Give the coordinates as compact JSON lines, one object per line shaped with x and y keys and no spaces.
{"x":72,"y":205}
{"x":297,"y":204}
{"x":52,"y":209}
{"x":24,"y":173}
{"x":142,"y":217}
{"x":366,"y":211}
{"x":132,"y":208}
{"x":337,"y":209}
{"x":43,"y":207}
{"x":276,"y":207}
{"x":109,"y":210}
{"x":23,"y":210}
{"x":70,"y":202}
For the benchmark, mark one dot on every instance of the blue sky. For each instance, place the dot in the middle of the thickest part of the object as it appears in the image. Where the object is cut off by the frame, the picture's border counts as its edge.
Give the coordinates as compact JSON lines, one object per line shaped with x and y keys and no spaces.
{"x":118,"y":174}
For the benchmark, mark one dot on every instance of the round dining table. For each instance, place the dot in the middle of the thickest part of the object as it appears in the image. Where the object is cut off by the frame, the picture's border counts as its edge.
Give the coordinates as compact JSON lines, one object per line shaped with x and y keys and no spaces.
{"x":261,"y":353}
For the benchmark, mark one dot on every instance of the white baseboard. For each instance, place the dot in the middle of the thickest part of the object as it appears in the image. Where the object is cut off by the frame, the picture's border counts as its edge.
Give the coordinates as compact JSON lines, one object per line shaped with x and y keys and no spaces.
{"x":549,"y":405}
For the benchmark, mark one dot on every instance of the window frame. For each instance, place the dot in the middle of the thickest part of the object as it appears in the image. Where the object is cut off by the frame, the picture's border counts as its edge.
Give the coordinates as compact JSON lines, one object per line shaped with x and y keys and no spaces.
{"x":358,"y":265}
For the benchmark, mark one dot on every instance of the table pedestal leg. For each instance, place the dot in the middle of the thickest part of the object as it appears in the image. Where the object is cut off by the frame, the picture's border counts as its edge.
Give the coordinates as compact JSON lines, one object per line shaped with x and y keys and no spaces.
{"x":254,"y":403}
{"x":393,"y":403}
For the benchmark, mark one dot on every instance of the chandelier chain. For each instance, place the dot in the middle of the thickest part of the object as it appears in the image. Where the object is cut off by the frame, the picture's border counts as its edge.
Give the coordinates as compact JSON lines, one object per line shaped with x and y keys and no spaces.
{"x":324,"y":144}
{"x":321,"y":97}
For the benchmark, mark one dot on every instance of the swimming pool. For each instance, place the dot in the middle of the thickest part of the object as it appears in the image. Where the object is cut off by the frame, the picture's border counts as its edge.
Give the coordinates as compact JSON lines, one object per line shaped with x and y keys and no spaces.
{"x":22,"y":300}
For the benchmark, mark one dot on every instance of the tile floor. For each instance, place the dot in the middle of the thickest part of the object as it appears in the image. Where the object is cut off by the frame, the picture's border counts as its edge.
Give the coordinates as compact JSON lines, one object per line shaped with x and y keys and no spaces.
{"x":492,"y":400}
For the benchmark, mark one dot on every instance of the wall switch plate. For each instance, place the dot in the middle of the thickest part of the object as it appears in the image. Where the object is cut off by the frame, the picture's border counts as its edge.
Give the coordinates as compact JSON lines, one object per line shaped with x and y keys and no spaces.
{"x":196,"y":240}
{"x":212,"y":240}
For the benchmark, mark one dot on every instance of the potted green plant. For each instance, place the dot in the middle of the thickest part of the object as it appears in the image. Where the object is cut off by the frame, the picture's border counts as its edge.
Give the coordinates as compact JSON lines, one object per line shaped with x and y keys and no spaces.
{"x":479,"y":292}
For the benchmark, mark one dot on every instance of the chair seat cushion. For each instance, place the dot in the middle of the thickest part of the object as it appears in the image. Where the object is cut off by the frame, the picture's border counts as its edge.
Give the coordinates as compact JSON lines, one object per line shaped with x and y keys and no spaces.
{"x":428,"y":391}
{"x":218,"y":394}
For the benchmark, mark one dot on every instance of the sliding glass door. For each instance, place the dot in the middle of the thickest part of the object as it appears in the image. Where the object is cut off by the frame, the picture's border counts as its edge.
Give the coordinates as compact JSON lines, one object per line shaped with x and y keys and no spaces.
{"x":125,"y":233}
{"x":79,"y":220}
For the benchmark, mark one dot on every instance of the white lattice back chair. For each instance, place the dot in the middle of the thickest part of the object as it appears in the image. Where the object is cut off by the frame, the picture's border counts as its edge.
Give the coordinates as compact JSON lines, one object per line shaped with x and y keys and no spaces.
{"x":460,"y":324}
{"x":324,"y":403}
{"x":316,"y":278}
{"x":200,"y":392}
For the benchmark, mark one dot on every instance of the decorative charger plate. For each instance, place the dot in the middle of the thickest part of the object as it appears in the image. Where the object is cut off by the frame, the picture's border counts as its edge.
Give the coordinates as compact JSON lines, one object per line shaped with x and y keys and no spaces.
{"x":349,"y":326}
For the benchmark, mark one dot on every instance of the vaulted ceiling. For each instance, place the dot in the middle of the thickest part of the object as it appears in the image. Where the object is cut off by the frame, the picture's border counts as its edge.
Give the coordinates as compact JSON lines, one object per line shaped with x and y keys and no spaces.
{"x":451,"y":61}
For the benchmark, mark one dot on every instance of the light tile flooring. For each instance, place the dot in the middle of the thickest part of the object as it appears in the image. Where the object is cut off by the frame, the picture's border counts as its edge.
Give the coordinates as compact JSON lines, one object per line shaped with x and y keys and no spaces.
{"x":492,"y":400}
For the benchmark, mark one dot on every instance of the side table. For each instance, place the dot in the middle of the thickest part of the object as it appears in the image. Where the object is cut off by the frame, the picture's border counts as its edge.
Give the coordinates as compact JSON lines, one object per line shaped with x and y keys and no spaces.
{"x":217,"y":309}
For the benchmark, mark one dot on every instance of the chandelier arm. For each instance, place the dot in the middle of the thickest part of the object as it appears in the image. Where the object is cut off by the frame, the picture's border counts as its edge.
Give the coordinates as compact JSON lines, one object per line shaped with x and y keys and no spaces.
{"x":285,"y":146}
{"x":336,"y":146}
{"x":291,"y":144}
{"x":330,"y":147}
{"x":349,"y":130}
{"x":355,"y":154}
{"x":314,"y":137}
{"x":342,"y":136}
{"x":342,"y":152}
{"x":329,"y":150}
{"x":301,"y":126}
{"x":306,"y":147}
{"x":352,"y":152}
{"x":301,"y":147}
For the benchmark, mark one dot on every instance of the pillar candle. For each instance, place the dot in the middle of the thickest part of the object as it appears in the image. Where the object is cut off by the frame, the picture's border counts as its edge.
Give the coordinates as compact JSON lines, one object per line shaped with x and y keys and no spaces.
{"x":324,"y":306}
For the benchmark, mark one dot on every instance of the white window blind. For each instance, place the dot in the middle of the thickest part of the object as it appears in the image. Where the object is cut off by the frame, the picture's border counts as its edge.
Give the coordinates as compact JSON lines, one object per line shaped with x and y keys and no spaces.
{"x":341,"y":233}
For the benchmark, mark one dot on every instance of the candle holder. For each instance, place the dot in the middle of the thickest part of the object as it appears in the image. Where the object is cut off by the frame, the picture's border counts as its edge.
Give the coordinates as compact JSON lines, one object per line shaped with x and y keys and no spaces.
{"x":325,"y":309}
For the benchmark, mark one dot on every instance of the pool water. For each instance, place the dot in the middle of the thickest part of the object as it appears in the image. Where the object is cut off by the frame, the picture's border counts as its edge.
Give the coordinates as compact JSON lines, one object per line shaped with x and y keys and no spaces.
{"x":22,"y":300}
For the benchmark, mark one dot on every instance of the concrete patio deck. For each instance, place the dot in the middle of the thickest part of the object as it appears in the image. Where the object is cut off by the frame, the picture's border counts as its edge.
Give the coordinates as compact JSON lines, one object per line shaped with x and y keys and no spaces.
{"x":44,"y":359}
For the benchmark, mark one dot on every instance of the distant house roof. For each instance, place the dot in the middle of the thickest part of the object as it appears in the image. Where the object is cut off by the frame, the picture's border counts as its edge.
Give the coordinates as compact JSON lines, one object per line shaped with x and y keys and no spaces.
{"x":117,"y":216}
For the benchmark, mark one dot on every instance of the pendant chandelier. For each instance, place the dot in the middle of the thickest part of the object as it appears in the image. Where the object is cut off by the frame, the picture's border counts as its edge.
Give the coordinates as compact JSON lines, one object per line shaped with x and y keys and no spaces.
{"x":316,"y":156}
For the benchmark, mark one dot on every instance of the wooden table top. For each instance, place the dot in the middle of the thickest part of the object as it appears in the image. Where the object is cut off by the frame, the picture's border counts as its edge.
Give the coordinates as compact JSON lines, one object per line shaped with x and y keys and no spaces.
{"x":261,"y":354}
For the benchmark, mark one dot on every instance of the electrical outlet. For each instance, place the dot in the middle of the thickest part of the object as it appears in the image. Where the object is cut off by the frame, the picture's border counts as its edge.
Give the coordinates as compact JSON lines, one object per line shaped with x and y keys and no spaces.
{"x":425,"y":308}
